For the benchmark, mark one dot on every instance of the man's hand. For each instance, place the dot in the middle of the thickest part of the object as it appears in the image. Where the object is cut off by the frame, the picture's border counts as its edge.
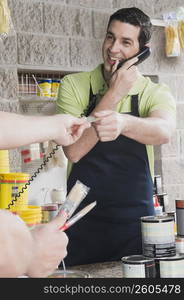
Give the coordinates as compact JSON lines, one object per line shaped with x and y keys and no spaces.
{"x":110,"y":125}
{"x":123,"y":79}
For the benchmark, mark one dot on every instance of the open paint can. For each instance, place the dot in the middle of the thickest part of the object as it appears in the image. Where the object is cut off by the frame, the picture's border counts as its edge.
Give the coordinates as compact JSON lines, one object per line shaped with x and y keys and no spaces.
{"x":170,"y":267}
{"x":138,"y":266}
{"x":158,"y":237}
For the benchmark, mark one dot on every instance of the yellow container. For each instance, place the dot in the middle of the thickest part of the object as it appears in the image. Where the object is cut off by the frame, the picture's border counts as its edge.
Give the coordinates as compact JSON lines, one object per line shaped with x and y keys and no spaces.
{"x":4,"y":161}
{"x":10,"y":185}
{"x":54,"y":87}
{"x":44,"y":87}
{"x":32,"y":215}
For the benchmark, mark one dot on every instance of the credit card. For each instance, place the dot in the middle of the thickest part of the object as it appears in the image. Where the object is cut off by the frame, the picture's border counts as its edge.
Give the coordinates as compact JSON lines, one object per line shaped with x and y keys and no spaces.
{"x":92,"y":119}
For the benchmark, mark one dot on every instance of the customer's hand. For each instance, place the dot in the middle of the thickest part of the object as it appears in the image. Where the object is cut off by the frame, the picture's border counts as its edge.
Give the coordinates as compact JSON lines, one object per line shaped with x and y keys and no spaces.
{"x":16,"y":245}
{"x":70,"y":129}
{"x":49,"y":247}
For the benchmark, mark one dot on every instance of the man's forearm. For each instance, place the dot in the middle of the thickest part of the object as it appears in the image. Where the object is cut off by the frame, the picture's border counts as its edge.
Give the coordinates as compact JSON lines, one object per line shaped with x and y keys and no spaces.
{"x":149,"y":131}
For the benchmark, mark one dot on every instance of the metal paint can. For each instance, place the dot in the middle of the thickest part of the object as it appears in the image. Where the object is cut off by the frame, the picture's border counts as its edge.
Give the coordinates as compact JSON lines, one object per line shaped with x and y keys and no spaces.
{"x":158,"y":237}
{"x":180,"y":217}
{"x":138,"y":266}
{"x":179,"y":244}
{"x":157,"y":184}
{"x":49,"y":211}
{"x":163,"y":201}
{"x":170,"y":267}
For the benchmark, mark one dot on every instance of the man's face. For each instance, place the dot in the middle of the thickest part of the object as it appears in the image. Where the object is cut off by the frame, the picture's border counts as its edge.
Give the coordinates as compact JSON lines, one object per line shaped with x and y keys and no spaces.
{"x":121,"y":42}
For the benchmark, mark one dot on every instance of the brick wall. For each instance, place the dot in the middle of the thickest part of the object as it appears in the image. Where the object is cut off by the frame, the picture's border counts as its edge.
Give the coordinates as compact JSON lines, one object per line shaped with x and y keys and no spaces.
{"x":67,"y":35}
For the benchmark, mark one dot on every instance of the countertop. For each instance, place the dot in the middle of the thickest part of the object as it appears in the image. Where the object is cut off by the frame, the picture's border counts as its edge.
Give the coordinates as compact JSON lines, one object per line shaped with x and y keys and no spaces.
{"x":101,"y":270}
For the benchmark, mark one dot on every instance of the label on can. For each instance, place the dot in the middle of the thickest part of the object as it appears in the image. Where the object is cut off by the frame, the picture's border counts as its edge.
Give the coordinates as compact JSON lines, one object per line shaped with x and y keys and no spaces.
{"x":172,"y":269}
{"x":158,"y":233}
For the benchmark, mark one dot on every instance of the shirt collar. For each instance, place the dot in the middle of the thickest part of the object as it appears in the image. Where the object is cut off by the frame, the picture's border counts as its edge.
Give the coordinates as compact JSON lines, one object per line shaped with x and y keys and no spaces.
{"x":99,"y":86}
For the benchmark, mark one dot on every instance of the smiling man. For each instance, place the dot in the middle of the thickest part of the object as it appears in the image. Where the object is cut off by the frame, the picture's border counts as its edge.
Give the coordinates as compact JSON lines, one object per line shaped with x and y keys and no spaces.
{"x":135,"y":114}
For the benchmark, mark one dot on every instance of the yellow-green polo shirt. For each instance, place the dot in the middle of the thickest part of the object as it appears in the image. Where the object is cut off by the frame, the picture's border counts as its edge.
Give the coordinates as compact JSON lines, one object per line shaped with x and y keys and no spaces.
{"x":73,"y":98}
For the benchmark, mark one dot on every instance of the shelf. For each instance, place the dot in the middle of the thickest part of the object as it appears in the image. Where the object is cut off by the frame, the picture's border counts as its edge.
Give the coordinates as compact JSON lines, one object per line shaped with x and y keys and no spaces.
{"x":35,"y":99}
{"x":158,"y":22}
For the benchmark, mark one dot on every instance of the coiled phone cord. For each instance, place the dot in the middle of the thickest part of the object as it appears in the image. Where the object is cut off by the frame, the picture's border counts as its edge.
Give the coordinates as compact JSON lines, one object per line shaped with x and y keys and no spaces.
{"x":45,"y":161}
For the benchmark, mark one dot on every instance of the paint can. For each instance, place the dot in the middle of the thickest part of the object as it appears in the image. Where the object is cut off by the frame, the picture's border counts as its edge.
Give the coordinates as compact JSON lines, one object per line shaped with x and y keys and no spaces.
{"x":157,"y":184}
{"x":163,"y":201}
{"x":180,"y":217}
{"x":158,"y":237}
{"x":10,"y":186}
{"x":170,"y":267}
{"x":49,"y":211}
{"x":173,"y":214}
{"x":138,"y":266}
{"x":179,"y":244}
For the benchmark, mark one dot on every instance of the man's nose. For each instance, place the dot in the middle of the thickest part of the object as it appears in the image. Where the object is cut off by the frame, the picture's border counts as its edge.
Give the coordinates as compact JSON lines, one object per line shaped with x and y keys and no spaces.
{"x":115,"y":47}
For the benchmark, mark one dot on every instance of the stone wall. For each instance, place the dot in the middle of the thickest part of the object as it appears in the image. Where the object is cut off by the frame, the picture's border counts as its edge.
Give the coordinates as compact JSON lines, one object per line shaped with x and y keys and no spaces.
{"x":66,"y":35}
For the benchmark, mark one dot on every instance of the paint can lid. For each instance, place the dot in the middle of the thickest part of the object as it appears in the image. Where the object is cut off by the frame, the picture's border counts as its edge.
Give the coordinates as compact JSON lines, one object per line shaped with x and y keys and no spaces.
{"x":136,"y":259}
{"x":157,"y":219}
{"x":49,"y":206}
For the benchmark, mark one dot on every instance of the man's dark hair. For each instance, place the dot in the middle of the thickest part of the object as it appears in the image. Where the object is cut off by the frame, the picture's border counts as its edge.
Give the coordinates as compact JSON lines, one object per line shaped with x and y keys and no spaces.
{"x":136,"y":17}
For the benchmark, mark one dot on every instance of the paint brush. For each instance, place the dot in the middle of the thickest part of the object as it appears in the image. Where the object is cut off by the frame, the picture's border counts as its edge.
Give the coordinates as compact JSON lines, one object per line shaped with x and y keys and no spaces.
{"x":78,"y":216}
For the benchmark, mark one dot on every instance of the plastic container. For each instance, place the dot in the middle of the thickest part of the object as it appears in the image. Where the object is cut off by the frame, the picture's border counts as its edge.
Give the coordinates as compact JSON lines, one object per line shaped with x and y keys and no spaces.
{"x":44,"y":87}
{"x":32,"y":215}
{"x":54,"y":87}
{"x":58,"y":195}
{"x":10,"y":185}
{"x":4,"y":161}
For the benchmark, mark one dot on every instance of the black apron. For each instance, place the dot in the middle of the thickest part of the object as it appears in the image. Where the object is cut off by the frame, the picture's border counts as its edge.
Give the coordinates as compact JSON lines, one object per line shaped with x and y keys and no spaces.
{"x":119,"y":178}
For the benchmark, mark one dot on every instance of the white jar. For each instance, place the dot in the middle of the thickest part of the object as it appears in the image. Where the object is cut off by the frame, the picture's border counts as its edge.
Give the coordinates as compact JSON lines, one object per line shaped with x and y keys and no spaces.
{"x":58,"y":195}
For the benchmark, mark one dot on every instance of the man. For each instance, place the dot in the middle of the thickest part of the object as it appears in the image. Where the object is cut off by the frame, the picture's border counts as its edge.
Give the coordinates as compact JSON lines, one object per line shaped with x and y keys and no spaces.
{"x":135,"y":114}
{"x":38,"y":252}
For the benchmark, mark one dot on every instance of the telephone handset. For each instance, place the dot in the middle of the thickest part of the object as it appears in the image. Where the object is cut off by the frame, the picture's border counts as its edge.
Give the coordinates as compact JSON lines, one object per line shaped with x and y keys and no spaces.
{"x":141,"y":55}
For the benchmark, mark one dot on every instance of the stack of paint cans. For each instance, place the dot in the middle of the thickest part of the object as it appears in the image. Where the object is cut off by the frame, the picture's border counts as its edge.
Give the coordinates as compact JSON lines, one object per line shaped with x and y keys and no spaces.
{"x":162,"y":243}
{"x":158,"y":242}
